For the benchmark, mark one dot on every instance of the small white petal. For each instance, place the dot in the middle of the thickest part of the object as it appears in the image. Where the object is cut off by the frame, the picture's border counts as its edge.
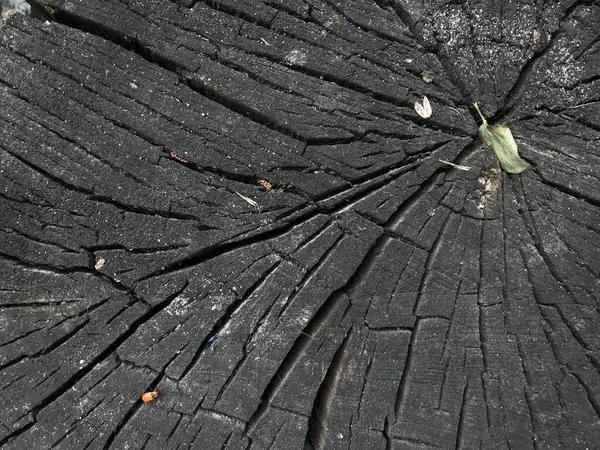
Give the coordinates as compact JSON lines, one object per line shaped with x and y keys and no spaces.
{"x":427,"y":106}
{"x":99,"y":263}
{"x":423,"y":110}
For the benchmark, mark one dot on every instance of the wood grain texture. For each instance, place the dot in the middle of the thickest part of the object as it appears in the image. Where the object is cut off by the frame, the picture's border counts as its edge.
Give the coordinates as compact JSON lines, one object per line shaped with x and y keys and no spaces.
{"x":375,"y":298}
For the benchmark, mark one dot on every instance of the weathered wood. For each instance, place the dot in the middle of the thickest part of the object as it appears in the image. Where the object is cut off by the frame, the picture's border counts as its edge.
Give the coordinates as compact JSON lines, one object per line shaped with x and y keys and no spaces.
{"x":18,"y":5}
{"x":375,"y":297}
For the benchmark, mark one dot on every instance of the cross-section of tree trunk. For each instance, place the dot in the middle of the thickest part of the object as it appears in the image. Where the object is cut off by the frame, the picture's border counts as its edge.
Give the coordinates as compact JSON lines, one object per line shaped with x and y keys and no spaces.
{"x":235,"y":204}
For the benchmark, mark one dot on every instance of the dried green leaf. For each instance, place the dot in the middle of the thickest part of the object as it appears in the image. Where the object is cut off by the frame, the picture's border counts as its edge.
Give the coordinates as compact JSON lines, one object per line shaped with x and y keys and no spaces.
{"x":249,"y":200}
{"x":500,"y":138}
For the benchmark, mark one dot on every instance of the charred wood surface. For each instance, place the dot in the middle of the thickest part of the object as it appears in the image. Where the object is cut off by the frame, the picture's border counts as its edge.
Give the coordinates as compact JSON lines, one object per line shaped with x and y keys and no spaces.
{"x":234,"y":203}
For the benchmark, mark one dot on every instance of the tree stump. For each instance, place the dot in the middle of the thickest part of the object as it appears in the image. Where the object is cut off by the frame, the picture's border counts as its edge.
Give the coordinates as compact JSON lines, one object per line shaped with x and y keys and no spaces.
{"x":234,"y":204}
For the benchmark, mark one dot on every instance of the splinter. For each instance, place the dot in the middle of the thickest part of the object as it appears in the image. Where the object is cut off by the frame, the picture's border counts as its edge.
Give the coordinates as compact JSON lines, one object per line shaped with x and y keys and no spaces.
{"x":264,"y":183}
{"x":178,"y":158}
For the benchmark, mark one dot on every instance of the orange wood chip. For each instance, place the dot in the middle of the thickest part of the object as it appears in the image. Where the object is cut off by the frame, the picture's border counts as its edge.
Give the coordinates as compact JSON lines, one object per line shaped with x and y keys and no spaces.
{"x":265,"y":184}
{"x":149,"y":396}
